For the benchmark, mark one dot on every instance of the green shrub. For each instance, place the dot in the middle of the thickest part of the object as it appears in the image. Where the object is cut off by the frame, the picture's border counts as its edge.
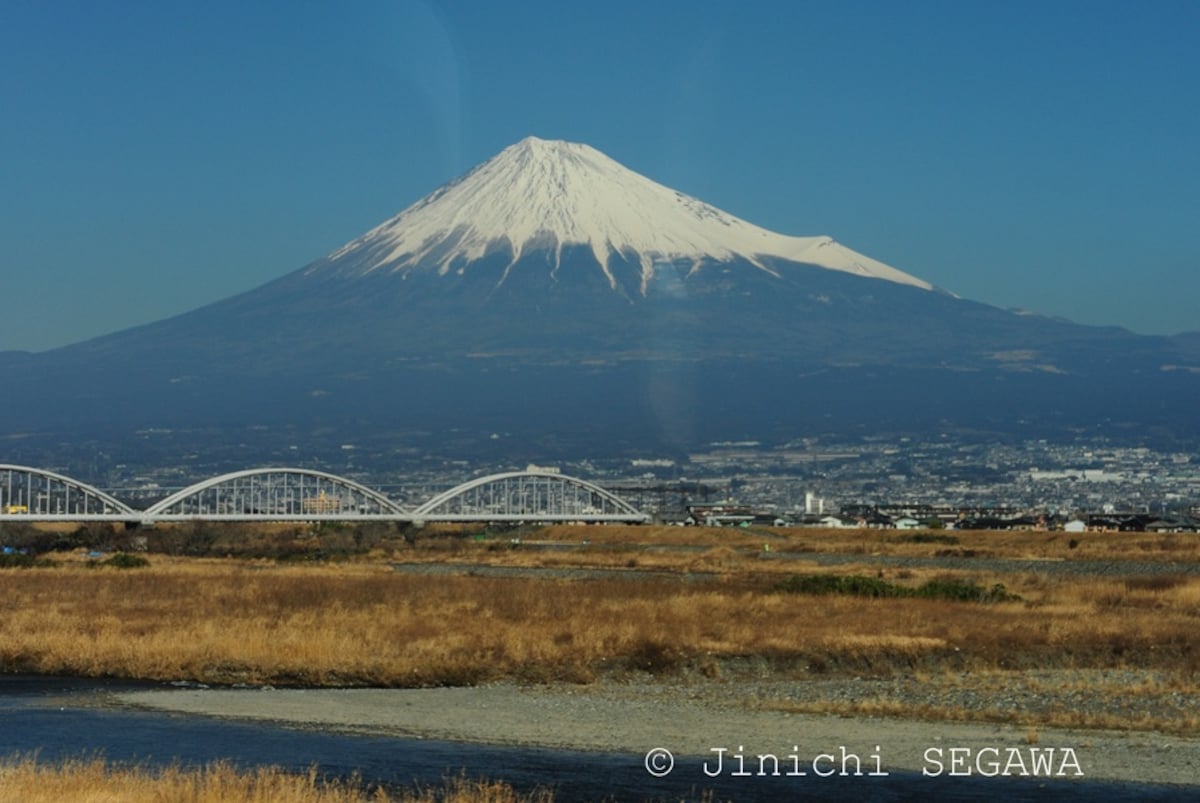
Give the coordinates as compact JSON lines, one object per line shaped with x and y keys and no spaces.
{"x":928,"y":538}
{"x":852,"y":584}
{"x":17,"y":560}
{"x":964,"y":592}
{"x":123,"y":560}
{"x":857,"y":585}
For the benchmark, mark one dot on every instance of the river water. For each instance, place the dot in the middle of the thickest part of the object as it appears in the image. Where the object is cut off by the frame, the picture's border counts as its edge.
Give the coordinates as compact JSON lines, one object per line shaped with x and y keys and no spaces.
{"x":67,"y":718}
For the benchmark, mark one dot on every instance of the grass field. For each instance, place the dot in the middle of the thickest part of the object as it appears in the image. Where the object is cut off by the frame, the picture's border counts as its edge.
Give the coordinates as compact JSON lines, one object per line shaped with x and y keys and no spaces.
{"x":609,"y":601}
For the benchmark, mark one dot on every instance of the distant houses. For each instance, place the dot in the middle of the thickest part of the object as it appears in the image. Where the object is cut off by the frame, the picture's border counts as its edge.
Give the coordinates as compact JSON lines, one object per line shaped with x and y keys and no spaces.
{"x":916,"y":517}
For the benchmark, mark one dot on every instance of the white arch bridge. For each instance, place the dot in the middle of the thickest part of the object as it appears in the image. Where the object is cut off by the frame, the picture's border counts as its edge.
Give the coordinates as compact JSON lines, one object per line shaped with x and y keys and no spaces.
{"x":300,"y":494}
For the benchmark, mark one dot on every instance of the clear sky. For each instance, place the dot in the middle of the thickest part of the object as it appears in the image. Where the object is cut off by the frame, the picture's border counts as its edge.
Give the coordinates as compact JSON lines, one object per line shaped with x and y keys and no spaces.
{"x":157,"y":156}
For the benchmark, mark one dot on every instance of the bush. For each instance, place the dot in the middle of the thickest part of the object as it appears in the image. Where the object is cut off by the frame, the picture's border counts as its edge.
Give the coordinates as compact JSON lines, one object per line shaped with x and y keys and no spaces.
{"x":859,"y":586}
{"x":852,"y":584}
{"x":964,"y":592}
{"x":123,"y":560}
{"x":929,"y":538}
{"x":18,"y":560}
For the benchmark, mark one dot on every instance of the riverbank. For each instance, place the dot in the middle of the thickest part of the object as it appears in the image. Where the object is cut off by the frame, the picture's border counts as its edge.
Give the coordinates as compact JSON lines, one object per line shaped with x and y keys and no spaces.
{"x":692,"y":721}
{"x":914,"y":652}
{"x":635,"y":607}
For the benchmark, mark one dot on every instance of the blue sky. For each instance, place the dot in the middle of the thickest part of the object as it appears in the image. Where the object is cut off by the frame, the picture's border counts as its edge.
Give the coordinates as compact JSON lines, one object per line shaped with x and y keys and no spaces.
{"x":158,"y":155}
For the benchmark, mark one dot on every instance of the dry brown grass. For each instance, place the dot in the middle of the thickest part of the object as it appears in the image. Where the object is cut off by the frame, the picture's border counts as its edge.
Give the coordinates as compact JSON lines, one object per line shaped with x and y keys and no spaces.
{"x":677,"y":601}
{"x":676,"y":548}
{"x":365,"y":624}
{"x":647,"y":546}
{"x":27,"y":781}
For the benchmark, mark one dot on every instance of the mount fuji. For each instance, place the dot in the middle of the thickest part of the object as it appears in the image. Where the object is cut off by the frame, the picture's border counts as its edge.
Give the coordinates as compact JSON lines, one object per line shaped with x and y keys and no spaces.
{"x":545,"y":197}
{"x":553,"y":293}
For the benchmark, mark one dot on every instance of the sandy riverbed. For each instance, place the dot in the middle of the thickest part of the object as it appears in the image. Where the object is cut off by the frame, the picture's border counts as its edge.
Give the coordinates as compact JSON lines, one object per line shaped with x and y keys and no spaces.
{"x":619,"y":718}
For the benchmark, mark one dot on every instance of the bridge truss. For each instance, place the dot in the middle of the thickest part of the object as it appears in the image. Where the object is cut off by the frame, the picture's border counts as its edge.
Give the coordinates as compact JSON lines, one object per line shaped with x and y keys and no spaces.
{"x":528,"y":496}
{"x":276,"y":494}
{"x":33,"y":493}
{"x":297,"y":494}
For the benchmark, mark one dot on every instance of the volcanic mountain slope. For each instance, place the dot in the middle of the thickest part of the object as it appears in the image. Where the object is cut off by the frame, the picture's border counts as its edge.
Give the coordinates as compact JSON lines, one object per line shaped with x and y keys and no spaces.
{"x":548,"y":251}
{"x":551,"y":251}
{"x":551,"y":270}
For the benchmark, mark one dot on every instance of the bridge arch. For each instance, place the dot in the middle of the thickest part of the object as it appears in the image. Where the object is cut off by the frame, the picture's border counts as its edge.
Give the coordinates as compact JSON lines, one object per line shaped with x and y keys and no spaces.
{"x":30,"y":492}
{"x":276,"y":494}
{"x":528,"y":496}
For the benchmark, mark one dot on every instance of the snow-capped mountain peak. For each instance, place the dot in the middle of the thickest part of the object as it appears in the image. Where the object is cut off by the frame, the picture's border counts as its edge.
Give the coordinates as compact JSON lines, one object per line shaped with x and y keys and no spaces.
{"x":549,"y":194}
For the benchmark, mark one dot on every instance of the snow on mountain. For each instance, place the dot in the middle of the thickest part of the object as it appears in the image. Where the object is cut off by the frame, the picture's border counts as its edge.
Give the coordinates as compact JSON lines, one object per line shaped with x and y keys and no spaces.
{"x":542,"y":194}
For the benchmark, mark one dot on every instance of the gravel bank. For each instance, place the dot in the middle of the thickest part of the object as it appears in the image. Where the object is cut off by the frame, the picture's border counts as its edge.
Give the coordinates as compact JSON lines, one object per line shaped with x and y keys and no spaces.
{"x":689,"y":719}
